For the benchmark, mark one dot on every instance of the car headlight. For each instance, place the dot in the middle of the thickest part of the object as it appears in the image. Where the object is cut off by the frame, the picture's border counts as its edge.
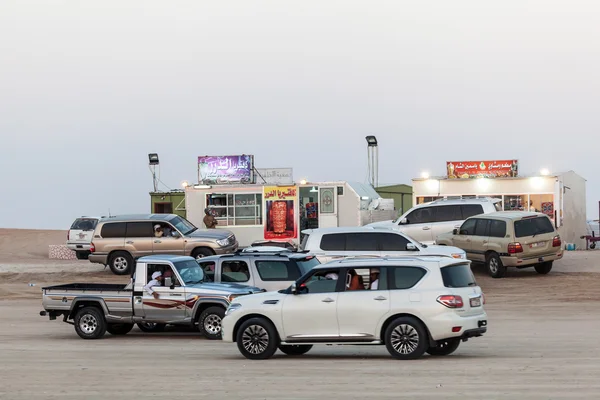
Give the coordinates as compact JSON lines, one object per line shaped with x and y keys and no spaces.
{"x":223,"y":242}
{"x":459,"y":255}
{"x":232,"y":307}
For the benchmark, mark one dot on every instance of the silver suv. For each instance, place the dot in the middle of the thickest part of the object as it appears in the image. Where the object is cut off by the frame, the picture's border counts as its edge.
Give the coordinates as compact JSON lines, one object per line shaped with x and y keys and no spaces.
{"x":425,"y":222}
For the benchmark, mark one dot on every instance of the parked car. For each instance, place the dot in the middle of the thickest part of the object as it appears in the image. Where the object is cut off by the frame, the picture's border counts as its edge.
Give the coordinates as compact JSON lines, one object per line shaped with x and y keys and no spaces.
{"x":265,"y":270}
{"x":420,"y":305}
{"x":425,"y":222}
{"x":332,"y":243}
{"x":79,"y":237}
{"x":119,"y":241}
{"x":184,"y":299}
{"x":508,"y":239}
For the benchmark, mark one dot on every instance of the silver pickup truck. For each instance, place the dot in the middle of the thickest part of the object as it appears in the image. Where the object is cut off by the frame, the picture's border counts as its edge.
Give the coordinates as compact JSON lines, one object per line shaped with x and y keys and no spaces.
{"x":183,"y":299}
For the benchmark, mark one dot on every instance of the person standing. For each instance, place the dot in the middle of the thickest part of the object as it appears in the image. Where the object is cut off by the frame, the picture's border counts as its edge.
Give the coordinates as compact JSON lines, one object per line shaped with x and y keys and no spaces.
{"x":209,"y":220}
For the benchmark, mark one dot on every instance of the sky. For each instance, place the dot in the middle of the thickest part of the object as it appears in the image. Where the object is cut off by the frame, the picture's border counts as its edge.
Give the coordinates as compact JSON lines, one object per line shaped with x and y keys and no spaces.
{"x":88,"y":89}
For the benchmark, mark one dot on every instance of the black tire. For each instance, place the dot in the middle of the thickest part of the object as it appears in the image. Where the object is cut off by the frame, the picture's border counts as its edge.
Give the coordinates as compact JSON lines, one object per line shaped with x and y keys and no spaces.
{"x":119,"y":329}
{"x":209,"y":322}
{"x":82,"y":255}
{"x":406,"y":338}
{"x":151,"y":327}
{"x":494,"y":266}
{"x":121,"y":263}
{"x":544,"y":267}
{"x":593,"y":245}
{"x":295,"y":350}
{"x":90,"y":323}
{"x":444,"y":347}
{"x":201,"y":252}
{"x":257,"y":339}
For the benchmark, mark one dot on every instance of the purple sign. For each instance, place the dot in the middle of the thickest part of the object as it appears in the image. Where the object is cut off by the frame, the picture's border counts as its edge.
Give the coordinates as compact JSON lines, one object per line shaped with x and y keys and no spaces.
{"x":225,"y":169}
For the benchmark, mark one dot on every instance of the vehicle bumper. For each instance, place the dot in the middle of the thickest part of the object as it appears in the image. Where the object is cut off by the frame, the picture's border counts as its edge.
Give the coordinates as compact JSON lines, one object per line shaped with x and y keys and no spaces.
{"x":227,"y":325}
{"x":471,"y":326}
{"x":530,"y":261}
{"x":98,"y":258}
{"x":78,"y":246}
{"x":232,"y":248}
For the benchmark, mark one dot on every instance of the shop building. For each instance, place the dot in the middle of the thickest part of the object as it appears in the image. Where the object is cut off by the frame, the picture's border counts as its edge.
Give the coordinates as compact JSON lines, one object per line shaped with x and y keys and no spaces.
{"x":561,"y":196}
{"x":172,"y":202}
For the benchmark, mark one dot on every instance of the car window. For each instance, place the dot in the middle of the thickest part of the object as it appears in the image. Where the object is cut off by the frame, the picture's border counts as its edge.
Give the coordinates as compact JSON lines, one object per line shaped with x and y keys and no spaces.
{"x":209,"y":270}
{"x":323,"y":281}
{"x":497,"y":228}
{"x":333,"y":241}
{"x":448,"y":213}
{"x":533,"y":226}
{"x":481,"y":228}
{"x":165,"y":269}
{"x":234,"y":271}
{"x":468,"y":227}
{"x":469,"y":210}
{"x":405,"y":277}
{"x":277,"y":270}
{"x":391,"y":241}
{"x":458,"y":276}
{"x":420,"y":216}
{"x":306,"y":264}
{"x":84,"y":224}
{"x":302,"y":246}
{"x":139,"y":229}
{"x":113,"y":230}
{"x":361,"y":242}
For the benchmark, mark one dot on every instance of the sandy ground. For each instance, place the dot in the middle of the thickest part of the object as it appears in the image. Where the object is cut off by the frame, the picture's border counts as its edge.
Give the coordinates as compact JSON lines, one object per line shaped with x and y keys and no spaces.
{"x":542,"y":343}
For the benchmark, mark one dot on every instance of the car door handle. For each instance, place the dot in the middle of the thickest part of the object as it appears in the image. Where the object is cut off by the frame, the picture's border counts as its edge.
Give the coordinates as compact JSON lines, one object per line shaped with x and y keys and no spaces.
{"x":426,"y":228}
{"x":157,"y":241}
{"x":129,"y":242}
{"x":328,"y":300}
{"x":380,"y":298}
{"x":176,"y":294}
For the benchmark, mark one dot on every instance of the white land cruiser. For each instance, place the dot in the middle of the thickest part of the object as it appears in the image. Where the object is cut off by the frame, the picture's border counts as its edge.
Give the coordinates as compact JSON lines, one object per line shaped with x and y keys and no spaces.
{"x":412,"y":306}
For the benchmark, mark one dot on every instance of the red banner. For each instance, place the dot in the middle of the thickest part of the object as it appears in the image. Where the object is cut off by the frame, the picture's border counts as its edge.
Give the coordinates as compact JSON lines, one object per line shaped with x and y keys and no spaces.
{"x":482,"y":169}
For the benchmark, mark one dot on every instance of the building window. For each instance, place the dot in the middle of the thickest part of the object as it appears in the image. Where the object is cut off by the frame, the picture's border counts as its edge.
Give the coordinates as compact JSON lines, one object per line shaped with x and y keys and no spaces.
{"x":543,"y":203}
{"x":236,"y":209}
{"x":516,"y":202}
{"x":421,"y":200}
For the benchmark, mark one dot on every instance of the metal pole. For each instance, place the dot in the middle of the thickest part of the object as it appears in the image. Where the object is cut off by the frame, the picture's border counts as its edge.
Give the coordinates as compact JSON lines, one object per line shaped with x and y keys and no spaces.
{"x":369,"y":163}
{"x":376,"y":162}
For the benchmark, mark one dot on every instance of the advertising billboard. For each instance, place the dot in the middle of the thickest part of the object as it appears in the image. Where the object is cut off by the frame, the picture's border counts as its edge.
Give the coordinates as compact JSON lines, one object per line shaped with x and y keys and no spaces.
{"x":482,"y":169}
{"x":217,"y":170}
{"x":280,"y":212}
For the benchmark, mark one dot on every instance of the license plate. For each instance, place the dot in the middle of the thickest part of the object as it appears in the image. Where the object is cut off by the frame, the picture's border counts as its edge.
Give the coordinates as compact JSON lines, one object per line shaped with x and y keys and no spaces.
{"x":475,"y":302}
{"x":538,"y":244}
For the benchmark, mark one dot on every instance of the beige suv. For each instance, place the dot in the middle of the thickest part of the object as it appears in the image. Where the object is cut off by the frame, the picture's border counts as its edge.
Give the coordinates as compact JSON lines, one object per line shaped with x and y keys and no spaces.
{"x":507,"y":239}
{"x":120,"y":240}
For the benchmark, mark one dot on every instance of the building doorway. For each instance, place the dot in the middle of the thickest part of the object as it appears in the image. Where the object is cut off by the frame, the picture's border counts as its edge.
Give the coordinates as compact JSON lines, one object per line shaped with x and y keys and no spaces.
{"x":309,"y":209}
{"x":163,"y":208}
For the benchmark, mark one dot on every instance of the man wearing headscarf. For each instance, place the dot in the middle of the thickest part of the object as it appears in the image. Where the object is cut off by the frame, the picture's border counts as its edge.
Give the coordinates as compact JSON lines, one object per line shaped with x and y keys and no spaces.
{"x":156,"y":281}
{"x":209,"y":220}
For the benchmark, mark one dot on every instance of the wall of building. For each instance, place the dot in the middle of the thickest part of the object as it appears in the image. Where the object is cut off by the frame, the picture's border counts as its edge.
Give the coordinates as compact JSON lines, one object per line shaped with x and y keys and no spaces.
{"x":402,"y":195}
{"x":348,"y":207}
{"x":176,"y":199}
{"x":574,"y":209}
{"x":452,"y":187}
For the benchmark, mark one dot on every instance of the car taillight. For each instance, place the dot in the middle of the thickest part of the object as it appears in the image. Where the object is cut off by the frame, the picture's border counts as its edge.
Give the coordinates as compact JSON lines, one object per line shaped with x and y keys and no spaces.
{"x":92,"y":248}
{"x":514,"y":248}
{"x":450,"y":301}
{"x":482,"y":298}
{"x":556,"y":242}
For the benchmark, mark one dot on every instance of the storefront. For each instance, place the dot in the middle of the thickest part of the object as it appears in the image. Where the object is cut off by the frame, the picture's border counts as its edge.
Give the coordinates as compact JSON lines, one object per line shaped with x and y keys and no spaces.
{"x":560,"y":196}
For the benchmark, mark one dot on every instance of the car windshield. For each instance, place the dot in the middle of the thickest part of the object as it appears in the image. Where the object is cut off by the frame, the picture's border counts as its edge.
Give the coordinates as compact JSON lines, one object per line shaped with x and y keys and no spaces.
{"x":183,"y":225}
{"x":190,"y":272}
{"x":84,"y":224}
{"x":533,"y":226}
{"x":306,"y":264}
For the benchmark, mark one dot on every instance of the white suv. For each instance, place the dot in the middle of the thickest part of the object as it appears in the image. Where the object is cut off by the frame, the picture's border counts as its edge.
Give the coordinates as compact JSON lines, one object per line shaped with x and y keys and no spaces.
{"x":412,"y":306}
{"x":80,"y":235}
{"x":425,"y":222}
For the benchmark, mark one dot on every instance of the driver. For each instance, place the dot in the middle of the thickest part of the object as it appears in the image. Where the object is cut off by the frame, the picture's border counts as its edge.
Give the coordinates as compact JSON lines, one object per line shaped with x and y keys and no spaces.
{"x":156,"y":281}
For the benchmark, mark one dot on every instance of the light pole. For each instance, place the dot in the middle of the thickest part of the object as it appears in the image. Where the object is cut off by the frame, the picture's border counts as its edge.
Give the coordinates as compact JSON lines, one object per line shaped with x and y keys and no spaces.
{"x":373,"y":159}
{"x":152,"y":163}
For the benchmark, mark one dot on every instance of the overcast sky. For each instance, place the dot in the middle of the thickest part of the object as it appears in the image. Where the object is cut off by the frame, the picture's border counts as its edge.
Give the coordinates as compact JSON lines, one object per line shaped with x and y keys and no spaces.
{"x":88,"y":89}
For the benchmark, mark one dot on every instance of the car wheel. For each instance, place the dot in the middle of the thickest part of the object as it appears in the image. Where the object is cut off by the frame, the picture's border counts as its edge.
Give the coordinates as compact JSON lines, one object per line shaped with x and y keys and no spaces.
{"x":151,"y":327}
{"x":406,"y":338}
{"x":119,"y":329}
{"x":295,"y":350}
{"x":444,"y":347}
{"x":544,"y":267}
{"x":209,"y":323}
{"x":121,"y":263}
{"x":257,"y":339}
{"x":494,"y":265}
{"x":90,"y":323}
{"x":201,"y":252}
{"x":593,"y":245}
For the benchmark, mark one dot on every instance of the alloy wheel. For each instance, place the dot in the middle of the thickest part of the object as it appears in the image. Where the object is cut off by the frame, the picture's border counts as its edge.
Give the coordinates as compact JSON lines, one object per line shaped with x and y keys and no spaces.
{"x":255,"y":339}
{"x":405,"y":339}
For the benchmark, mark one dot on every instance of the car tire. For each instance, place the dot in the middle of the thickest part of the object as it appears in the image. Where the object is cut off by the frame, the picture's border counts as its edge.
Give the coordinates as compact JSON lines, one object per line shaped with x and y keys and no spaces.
{"x":257,"y":339}
{"x":295,"y":350}
{"x":119,"y":329}
{"x":544,"y":267}
{"x":494,"y":266}
{"x":406,"y":338}
{"x":444,"y":347}
{"x":593,"y":245}
{"x":201,"y":252}
{"x":121,"y":263}
{"x":90,"y":323}
{"x":151,"y":327}
{"x":209,"y":323}
{"x":82,"y":255}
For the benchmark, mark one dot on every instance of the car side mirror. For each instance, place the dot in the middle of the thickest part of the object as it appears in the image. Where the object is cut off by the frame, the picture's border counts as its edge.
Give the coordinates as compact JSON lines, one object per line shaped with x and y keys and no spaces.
{"x":411,"y":247}
{"x":293,"y":288}
{"x":175,"y":234}
{"x":403,"y":221}
{"x":455,"y":232}
{"x":169,"y":282}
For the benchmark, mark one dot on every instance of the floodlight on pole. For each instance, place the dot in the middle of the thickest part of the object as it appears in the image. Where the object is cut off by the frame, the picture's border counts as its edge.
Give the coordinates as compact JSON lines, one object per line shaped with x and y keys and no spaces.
{"x":153,"y":162}
{"x":153,"y":158}
{"x":373,"y":160}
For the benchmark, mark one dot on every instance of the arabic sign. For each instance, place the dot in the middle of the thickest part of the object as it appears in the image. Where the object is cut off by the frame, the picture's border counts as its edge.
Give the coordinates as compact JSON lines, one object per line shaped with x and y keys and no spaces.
{"x":225,"y":169}
{"x":482,"y":169}
{"x":280,"y":221}
{"x":275,"y":176}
